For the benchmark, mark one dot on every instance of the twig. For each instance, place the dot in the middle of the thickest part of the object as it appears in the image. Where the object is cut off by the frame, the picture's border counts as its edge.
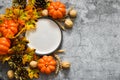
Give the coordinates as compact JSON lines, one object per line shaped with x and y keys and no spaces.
{"x":23,"y":29}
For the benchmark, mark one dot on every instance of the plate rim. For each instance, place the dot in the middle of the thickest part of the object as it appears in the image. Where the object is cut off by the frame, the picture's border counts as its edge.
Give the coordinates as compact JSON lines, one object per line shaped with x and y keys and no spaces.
{"x":60,"y":43}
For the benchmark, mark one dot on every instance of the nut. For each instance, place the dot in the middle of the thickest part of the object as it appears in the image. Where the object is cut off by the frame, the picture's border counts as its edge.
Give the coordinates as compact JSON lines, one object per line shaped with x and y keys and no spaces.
{"x":33,"y":64}
{"x":68,"y":23}
{"x":10,"y":74}
{"x":65,"y":64}
{"x":45,"y":12}
{"x":73,"y":13}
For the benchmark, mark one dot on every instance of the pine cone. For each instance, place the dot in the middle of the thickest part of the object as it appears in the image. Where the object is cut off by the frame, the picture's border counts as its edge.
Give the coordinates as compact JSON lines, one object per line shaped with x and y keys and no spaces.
{"x":40,"y":3}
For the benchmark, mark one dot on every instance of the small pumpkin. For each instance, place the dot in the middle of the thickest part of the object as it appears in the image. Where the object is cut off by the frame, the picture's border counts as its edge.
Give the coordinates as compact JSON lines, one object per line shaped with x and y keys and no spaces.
{"x":4,"y":45}
{"x":8,"y":28}
{"x":47,"y":64}
{"x":57,"y":10}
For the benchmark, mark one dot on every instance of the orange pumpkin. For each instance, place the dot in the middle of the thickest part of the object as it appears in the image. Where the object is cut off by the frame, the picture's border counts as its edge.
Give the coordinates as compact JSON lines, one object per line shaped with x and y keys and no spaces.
{"x":47,"y":64}
{"x":57,"y":10}
{"x":8,"y":28}
{"x":4,"y":45}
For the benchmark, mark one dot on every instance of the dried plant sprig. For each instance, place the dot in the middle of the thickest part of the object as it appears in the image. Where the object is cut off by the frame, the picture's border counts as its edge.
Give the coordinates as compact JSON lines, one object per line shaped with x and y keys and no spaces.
{"x":69,"y":10}
{"x":61,"y":26}
{"x":60,"y":51}
{"x":59,"y":66}
{"x":21,"y":31}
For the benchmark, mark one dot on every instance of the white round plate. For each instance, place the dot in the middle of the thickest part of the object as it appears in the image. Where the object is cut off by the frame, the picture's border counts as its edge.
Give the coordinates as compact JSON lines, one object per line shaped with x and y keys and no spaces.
{"x":46,"y":38}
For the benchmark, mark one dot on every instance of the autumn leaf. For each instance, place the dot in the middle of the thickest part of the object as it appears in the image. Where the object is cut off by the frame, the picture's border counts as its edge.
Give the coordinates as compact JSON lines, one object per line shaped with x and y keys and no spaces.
{"x":24,"y":16}
{"x":35,"y":57}
{"x":30,"y":25}
{"x":21,"y":11}
{"x":8,"y":11}
{"x":30,"y":51}
{"x":29,"y":7}
{"x":32,"y":2}
{"x":5,"y":58}
{"x":2,"y":17}
{"x":29,"y":55}
{"x":16,"y":11}
{"x":33,"y":73}
{"x":35,"y":15}
{"x":26,"y":58}
{"x":21,"y":22}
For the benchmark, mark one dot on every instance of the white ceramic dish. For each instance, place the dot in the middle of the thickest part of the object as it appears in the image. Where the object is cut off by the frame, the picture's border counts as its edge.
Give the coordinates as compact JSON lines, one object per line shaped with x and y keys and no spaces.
{"x":46,"y":38}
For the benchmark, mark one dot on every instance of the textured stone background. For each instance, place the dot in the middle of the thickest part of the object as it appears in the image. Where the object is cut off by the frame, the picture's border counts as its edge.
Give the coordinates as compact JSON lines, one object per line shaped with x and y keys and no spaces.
{"x":92,"y":46}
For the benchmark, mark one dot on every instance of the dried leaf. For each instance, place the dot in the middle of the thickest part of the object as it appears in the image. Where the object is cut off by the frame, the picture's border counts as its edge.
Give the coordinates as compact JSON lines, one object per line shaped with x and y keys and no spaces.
{"x":30,"y":25}
{"x":32,"y":2}
{"x":29,"y":55}
{"x":33,"y":73}
{"x":25,"y":16}
{"x":61,"y":26}
{"x":5,"y":58}
{"x":26,"y":58}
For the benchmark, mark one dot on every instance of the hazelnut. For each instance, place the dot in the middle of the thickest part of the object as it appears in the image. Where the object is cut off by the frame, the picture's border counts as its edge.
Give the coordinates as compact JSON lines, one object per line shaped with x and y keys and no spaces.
{"x":10,"y":74}
{"x":45,"y":12}
{"x":73,"y":13}
{"x":33,"y":64}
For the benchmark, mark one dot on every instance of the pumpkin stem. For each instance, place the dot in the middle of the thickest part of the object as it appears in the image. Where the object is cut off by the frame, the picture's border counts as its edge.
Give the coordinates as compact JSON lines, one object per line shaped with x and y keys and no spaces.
{"x":46,"y":65}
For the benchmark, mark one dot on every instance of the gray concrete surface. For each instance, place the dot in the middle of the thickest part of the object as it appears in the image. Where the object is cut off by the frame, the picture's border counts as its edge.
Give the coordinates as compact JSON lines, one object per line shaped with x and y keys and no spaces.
{"x":93,"y":45}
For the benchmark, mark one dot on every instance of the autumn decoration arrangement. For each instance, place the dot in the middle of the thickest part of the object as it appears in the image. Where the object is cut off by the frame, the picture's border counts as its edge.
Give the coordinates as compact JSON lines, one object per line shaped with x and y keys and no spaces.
{"x":21,"y":17}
